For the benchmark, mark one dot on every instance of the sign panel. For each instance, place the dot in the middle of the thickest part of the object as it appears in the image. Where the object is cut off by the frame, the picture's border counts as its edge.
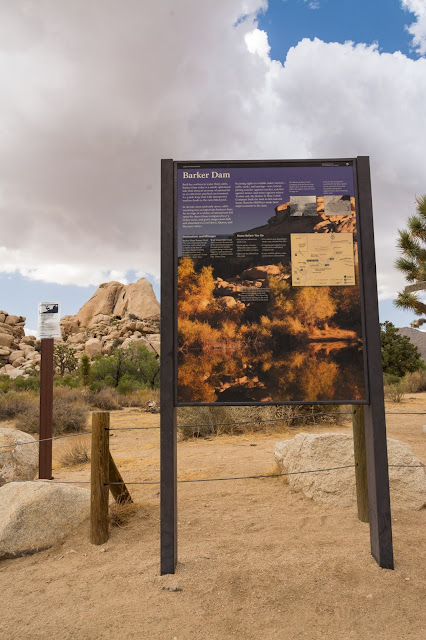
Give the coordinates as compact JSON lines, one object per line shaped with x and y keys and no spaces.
{"x":48,"y":325}
{"x":268,"y":283}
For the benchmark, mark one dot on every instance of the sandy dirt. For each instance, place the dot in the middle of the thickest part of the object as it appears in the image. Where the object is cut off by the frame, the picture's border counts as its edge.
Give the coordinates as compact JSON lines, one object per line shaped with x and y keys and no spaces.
{"x":256,"y":561}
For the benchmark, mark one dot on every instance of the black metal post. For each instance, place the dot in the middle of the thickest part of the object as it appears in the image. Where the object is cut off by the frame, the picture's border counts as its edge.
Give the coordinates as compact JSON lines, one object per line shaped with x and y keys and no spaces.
{"x":374,"y":413}
{"x":168,"y":455}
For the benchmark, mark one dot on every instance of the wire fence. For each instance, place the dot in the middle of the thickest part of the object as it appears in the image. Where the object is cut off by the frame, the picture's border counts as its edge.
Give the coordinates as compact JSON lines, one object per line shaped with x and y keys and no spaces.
{"x":222,"y":479}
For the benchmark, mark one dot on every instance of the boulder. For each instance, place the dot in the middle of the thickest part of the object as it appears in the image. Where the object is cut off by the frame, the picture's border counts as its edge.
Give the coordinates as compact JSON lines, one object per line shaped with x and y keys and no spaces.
{"x":93,"y":347}
{"x":15,"y":355}
{"x":12,"y":320}
{"x":321,"y":451}
{"x":137,"y":299}
{"x":18,"y":461}
{"x":102,"y":302}
{"x":36,"y":515}
{"x":261,"y":273}
{"x":6,"y":340}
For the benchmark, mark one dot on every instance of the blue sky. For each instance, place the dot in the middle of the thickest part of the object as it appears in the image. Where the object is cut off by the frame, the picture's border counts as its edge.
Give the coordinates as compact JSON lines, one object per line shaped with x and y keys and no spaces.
{"x":89,"y":107}
{"x":383,"y":21}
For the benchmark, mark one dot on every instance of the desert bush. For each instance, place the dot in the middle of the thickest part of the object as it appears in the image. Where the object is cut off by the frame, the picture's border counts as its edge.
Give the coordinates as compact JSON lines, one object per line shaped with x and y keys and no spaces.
{"x":5,"y":383}
{"x":70,"y":413}
{"x":75,"y":453}
{"x":390,"y":378}
{"x":106,"y":399}
{"x":120,"y":514}
{"x":139,"y":398}
{"x":415,"y":381}
{"x":69,"y":380}
{"x":15,"y":403}
{"x":394,"y":392}
{"x":207,"y":420}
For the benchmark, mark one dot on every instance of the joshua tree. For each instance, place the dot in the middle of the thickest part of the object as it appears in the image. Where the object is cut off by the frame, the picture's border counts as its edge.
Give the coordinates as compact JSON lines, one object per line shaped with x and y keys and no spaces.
{"x":412,"y":263}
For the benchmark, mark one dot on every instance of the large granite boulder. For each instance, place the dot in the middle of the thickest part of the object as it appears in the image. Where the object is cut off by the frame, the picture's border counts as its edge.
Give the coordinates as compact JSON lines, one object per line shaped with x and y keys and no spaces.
{"x":36,"y":515}
{"x":18,"y":455}
{"x":137,"y":299}
{"x":114,"y":299}
{"x":309,"y":451}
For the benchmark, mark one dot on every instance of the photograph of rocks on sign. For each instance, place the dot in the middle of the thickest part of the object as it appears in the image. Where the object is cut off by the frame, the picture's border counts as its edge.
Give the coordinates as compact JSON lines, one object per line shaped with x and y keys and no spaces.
{"x":245,"y":334}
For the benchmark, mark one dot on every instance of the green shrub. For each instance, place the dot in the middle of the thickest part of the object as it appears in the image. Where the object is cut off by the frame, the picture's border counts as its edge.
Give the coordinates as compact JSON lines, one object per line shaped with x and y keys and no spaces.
{"x":27,"y":384}
{"x":135,"y":362}
{"x":391,"y":378}
{"x":67,"y":381}
{"x":5,"y":383}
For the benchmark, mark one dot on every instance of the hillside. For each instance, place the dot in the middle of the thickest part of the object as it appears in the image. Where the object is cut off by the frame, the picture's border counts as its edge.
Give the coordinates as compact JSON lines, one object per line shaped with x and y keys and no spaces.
{"x":417,"y":337}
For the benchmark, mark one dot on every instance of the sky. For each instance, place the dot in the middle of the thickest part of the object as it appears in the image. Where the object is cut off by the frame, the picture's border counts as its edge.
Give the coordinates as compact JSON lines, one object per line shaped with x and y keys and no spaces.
{"x":94,"y":94}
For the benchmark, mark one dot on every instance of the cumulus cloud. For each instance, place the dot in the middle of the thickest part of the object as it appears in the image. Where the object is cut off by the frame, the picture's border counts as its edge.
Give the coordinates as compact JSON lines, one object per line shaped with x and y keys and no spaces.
{"x":93,"y":95}
{"x":417,"y":28}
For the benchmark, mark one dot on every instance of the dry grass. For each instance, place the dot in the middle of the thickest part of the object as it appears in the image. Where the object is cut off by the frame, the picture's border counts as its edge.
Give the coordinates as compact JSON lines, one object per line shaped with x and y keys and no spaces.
{"x":208,"y":420}
{"x":121,"y":514}
{"x":76,"y":453}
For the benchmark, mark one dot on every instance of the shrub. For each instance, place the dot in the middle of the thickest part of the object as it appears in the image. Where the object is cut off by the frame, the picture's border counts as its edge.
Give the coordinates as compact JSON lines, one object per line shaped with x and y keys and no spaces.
{"x":26,"y":384}
{"x":415,"y":381}
{"x":395,"y":392}
{"x":76,"y":453}
{"x":70,"y":413}
{"x":14,"y":403}
{"x":135,"y":362}
{"x":207,"y":420}
{"x":105,"y":399}
{"x":67,"y":381}
{"x":121,"y":514}
{"x":5,"y":383}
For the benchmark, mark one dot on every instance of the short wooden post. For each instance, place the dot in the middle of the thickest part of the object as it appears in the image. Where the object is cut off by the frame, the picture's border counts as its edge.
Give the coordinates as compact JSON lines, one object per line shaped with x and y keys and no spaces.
{"x":99,"y":478}
{"x":119,"y":491}
{"x":360,"y":461}
{"x":46,"y":410}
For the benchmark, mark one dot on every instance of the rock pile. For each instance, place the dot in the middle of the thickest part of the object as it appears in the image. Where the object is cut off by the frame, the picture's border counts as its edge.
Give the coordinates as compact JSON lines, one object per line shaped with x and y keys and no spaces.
{"x":17,"y":351}
{"x":117,"y":315}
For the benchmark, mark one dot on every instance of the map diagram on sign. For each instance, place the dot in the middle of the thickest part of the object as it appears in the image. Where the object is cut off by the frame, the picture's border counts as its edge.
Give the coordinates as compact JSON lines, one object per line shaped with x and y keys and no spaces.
{"x":322,"y":259}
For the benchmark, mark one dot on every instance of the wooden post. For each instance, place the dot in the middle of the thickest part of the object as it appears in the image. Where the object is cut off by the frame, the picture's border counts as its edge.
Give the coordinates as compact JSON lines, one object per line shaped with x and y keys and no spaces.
{"x":46,"y":409}
{"x":119,"y":491}
{"x":360,"y":461}
{"x":99,"y":478}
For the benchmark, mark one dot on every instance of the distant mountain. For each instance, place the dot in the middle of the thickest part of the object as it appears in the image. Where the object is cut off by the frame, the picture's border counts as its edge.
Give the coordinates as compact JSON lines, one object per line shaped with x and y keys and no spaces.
{"x":417,"y":337}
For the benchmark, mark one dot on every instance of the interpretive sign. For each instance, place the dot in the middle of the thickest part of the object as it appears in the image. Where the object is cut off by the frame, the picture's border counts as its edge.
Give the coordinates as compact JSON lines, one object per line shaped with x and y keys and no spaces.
{"x":269,"y":305}
{"x":269,"y":295}
{"x":48,"y":325}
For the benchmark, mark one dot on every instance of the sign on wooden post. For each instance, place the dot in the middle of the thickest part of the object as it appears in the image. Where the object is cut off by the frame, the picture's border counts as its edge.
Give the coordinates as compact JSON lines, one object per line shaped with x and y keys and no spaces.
{"x":48,"y":328}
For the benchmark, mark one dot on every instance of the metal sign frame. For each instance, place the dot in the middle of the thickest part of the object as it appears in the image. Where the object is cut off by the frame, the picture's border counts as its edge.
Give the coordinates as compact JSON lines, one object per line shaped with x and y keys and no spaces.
{"x":374,"y":409}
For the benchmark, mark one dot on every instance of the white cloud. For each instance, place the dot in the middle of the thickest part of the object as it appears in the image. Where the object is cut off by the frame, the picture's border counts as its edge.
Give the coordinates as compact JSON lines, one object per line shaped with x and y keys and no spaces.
{"x":257,"y":42}
{"x":94,"y":94}
{"x":418,"y":28}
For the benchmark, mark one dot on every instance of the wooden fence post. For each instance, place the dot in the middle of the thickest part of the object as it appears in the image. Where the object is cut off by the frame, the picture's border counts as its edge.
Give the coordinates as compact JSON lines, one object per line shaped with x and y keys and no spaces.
{"x":99,"y":478}
{"x":360,"y":461}
{"x":119,"y":492}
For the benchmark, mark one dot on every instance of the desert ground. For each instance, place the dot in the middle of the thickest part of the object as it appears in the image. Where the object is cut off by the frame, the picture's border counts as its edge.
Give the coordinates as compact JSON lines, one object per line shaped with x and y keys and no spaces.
{"x":256,"y":561}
